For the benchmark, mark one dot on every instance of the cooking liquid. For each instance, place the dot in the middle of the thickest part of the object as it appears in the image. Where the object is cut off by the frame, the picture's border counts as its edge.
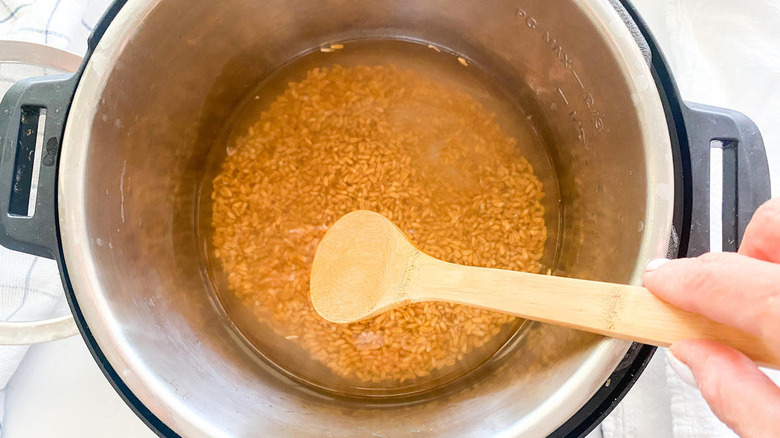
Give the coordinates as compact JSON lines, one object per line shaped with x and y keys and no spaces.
{"x":446,"y":69}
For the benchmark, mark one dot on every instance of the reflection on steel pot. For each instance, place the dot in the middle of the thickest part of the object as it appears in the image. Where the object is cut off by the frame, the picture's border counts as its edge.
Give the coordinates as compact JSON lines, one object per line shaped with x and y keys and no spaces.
{"x":630,"y":162}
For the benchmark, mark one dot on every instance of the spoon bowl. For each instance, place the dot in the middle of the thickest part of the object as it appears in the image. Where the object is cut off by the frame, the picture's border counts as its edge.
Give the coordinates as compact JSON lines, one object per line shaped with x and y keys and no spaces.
{"x":359,"y":268}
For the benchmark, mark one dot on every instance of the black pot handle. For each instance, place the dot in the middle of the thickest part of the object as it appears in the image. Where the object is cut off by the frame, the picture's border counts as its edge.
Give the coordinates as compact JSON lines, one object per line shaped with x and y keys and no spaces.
{"x":32,"y":230}
{"x":745,"y":173}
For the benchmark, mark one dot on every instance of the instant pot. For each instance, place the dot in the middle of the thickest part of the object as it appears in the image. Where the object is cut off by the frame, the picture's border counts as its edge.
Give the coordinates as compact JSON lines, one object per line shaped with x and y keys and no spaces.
{"x":122,"y":151}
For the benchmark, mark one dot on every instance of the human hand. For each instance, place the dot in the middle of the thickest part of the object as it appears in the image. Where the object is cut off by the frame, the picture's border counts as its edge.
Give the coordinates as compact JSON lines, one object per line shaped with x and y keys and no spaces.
{"x":741,"y":290}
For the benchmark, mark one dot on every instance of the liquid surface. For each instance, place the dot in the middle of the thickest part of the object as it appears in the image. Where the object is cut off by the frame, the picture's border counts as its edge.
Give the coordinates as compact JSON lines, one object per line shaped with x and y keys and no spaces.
{"x":405,"y":130}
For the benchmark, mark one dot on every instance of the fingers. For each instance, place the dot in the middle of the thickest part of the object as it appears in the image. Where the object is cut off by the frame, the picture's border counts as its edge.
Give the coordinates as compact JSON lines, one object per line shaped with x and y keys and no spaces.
{"x":728,"y":288}
{"x":762,"y":236}
{"x":741,"y":290}
{"x":738,"y":392}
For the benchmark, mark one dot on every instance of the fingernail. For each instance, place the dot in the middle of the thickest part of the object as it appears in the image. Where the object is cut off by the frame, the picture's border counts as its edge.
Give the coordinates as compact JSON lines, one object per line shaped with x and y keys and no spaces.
{"x":654,"y":264}
{"x":682,"y":370}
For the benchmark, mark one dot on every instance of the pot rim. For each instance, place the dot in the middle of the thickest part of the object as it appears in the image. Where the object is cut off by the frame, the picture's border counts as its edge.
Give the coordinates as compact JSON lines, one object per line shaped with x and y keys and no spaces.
{"x":95,"y":310}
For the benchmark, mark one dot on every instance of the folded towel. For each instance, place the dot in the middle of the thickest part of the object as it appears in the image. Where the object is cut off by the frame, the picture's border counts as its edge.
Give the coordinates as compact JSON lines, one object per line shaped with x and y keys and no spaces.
{"x":64,"y":24}
{"x":30,"y":290}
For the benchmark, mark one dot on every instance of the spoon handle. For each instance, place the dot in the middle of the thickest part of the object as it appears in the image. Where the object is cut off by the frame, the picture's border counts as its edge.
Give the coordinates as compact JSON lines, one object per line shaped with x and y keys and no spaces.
{"x":615,"y":310}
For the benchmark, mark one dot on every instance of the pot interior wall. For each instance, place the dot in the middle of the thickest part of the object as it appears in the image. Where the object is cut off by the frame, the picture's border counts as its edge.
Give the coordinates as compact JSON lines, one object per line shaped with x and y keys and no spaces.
{"x":169,"y":86}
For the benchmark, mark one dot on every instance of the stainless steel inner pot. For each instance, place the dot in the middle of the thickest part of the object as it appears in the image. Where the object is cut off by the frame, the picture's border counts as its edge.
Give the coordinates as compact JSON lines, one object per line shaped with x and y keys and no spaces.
{"x":161,"y":83}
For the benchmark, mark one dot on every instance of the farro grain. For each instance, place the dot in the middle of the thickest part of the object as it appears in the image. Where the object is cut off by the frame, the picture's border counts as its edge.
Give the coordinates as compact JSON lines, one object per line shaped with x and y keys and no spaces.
{"x":431,"y":159}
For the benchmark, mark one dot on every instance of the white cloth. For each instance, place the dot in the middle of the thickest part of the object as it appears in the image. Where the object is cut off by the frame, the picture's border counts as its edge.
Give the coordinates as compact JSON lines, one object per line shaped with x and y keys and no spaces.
{"x":64,"y":24}
{"x":723,"y":53}
{"x":30,"y":287}
{"x":30,"y":290}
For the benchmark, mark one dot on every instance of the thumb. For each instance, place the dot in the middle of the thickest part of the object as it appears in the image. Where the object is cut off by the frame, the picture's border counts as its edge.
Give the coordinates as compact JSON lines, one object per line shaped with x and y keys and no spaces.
{"x":738,"y":392}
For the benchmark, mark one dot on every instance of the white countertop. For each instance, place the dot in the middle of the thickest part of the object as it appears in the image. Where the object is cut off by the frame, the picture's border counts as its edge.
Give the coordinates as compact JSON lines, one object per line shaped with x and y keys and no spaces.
{"x":59,"y":391}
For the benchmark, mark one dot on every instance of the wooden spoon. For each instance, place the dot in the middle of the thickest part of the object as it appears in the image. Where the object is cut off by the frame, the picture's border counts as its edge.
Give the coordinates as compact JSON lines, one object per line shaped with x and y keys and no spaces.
{"x":365,"y":265}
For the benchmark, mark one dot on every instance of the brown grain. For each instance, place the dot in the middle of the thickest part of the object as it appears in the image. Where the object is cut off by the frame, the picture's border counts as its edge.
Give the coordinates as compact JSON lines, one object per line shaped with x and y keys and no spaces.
{"x":379,"y":138}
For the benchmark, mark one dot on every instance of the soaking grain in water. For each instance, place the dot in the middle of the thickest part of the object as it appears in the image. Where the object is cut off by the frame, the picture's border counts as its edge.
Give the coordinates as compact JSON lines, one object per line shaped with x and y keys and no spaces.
{"x":391,"y":140}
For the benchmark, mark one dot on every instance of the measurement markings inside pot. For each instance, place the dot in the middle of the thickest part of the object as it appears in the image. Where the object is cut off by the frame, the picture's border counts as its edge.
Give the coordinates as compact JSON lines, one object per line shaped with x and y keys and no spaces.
{"x":597,"y":117}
